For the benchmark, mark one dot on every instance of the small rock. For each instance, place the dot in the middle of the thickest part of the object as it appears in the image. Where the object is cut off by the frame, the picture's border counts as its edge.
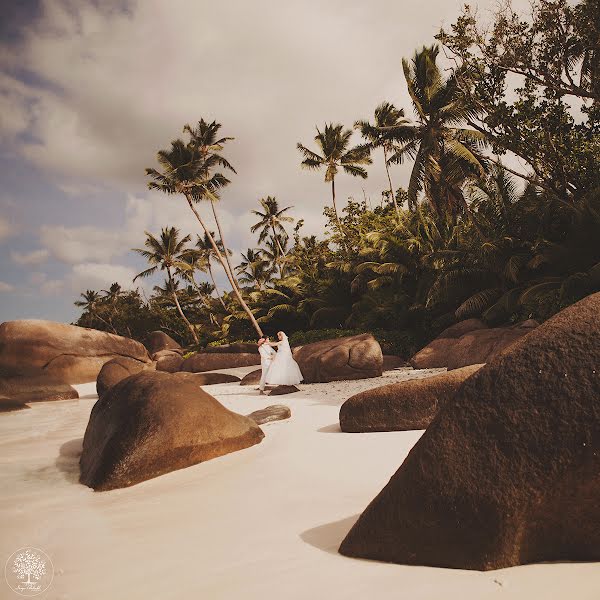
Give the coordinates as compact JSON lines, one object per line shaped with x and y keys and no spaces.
{"x":277,"y":412}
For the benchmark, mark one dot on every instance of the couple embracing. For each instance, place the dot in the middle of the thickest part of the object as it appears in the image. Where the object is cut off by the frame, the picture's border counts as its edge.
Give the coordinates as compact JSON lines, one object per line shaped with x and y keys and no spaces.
{"x":278,"y":368}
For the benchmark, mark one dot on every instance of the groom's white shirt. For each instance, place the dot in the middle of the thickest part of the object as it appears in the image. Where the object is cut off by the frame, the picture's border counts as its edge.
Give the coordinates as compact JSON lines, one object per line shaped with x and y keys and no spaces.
{"x":266,"y":356}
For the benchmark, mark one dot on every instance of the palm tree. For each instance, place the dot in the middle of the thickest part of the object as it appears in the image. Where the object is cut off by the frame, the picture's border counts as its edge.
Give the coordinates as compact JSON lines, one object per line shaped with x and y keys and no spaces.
{"x":271,"y":221}
{"x":90,"y":301}
{"x":254,"y":269}
{"x":167,"y":254}
{"x":333,"y":144}
{"x":206,"y":254}
{"x":186,"y":169}
{"x":388,"y":120}
{"x":204,"y":137}
{"x":444,"y":155}
{"x":112,"y":296}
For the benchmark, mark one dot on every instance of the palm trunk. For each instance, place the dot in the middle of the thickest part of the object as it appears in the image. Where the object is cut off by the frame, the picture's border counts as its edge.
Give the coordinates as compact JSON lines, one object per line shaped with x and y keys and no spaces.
{"x":225,"y":266}
{"x":279,"y":249}
{"x":337,"y":218}
{"x":212,"y":277}
{"x":387,"y":170}
{"x":180,"y":310}
{"x":214,"y":211}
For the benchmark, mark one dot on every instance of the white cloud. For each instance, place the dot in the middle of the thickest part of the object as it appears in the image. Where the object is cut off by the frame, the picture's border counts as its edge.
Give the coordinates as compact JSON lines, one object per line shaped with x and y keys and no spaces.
{"x":97,"y":276}
{"x":7,"y":229}
{"x":6,"y":287}
{"x":35,"y":257}
{"x":123,"y":83}
{"x":48,"y":287}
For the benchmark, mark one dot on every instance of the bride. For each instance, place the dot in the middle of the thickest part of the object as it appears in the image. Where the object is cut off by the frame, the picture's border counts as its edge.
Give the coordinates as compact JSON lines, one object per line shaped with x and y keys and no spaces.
{"x":284,"y":370}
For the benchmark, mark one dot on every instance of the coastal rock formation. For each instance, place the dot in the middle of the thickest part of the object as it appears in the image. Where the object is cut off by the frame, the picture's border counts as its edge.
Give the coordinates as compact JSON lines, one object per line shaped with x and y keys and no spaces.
{"x":252,"y":378}
{"x":199,"y":362}
{"x":168,"y":361}
{"x":209,"y":378}
{"x":507,"y":472}
{"x":482,"y":345}
{"x":115,"y":370}
{"x":392,"y":362}
{"x":402,"y":406}
{"x":277,"y":412}
{"x":468,"y":343}
{"x":32,"y":385}
{"x":153,"y":423}
{"x":159,"y":340}
{"x":355,"y":357}
{"x":68,"y":353}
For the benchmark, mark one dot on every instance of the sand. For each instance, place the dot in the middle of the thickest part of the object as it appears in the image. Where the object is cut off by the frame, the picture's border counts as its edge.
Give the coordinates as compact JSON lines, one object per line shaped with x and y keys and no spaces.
{"x":261,"y":523}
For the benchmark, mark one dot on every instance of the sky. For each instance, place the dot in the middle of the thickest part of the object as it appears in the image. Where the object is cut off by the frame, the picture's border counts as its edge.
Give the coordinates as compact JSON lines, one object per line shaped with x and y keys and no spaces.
{"x":90,"y":90}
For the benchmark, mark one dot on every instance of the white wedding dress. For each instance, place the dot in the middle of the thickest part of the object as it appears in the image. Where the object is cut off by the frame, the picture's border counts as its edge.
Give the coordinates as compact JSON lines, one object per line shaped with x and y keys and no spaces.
{"x":284,"y":370}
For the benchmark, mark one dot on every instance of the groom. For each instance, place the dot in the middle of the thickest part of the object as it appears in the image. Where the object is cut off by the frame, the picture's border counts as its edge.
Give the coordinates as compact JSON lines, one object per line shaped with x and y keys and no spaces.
{"x":266,"y":357}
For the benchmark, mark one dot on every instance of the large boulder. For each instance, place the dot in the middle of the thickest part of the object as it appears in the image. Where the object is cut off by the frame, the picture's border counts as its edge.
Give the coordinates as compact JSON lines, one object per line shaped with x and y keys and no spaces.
{"x":32,"y":385}
{"x":391,"y":362}
{"x":252,"y":378}
{"x":355,"y":357}
{"x":159,"y":340}
{"x":461,"y":328}
{"x":482,"y":345}
{"x":507,"y":472}
{"x":68,"y":353}
{"x":402,"y":406}
{"x":153,"y":423}
{"x":168,"y":361}
{"x":469,"y":342}
{"x":115,"y":370}
{"x":210,"y":378}
{"x":200,"y":362}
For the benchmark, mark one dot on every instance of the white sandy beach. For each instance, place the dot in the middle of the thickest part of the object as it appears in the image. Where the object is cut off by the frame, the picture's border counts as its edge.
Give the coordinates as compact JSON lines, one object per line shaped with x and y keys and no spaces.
{"x":260,"y":523}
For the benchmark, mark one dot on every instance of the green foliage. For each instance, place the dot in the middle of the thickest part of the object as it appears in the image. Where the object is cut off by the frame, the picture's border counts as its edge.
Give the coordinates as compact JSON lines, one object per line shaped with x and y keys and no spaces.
{"x":468,"y":237}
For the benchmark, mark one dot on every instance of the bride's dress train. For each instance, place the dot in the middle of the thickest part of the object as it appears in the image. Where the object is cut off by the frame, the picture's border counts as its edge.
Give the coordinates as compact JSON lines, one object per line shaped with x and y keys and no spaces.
{"x":284,"y":370}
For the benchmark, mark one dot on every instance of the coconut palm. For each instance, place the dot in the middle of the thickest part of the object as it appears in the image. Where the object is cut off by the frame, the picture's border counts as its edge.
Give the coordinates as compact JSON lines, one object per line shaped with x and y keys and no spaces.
{"x":187,"y":170}
{"x":167,"y":253}
{"x":379,"y":134}
{"x":90,"y":302}
{"x":445,"y":155}
{"x":271,"y":221}
{"x":205,"y":138}
{"x":333,"y":143}
{"x":254,"y":269}
{"x":205,"y":254}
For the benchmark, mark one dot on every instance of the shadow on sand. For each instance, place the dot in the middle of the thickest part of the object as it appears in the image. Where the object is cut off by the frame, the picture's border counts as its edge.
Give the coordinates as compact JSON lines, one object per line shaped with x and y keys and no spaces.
{"x":328,"y":537}
{"x":68,"y":459}
{"x":333,"y":428}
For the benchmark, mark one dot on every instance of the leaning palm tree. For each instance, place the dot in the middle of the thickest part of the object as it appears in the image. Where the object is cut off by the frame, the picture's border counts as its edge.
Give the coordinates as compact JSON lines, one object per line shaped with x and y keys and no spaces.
{"x":445,"y":155}
{"x":187,"y":170}
{"x":205,"y":138}
{"x":333,"y":143}
{"x":271,"y":221}
{"x":380,"y":134}
{"x":167,"y":253}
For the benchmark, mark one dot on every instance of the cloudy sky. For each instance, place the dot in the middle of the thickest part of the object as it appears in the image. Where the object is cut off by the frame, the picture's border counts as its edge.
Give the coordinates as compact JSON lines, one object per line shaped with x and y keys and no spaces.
{"x":91,"y":89}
